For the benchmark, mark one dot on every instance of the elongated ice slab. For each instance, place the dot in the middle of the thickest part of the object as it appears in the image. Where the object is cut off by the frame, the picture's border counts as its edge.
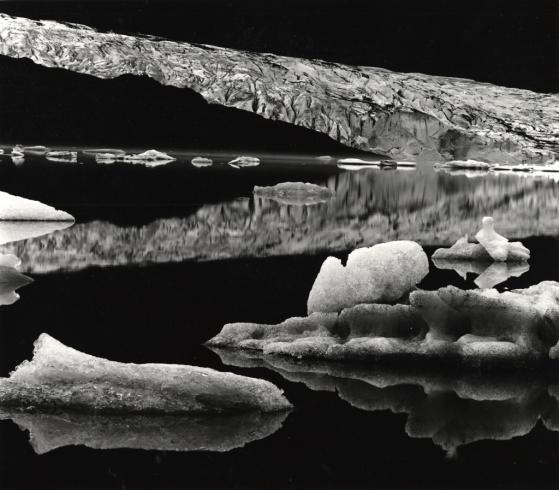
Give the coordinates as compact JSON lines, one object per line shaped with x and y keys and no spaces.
{"x":60,"y":377}
{"x":50,"y":431}
{"x":15,"y":208}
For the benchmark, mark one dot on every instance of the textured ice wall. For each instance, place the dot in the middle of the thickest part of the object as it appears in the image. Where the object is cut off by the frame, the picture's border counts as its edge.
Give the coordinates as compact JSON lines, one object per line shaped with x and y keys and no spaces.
{"x":407,"y":116}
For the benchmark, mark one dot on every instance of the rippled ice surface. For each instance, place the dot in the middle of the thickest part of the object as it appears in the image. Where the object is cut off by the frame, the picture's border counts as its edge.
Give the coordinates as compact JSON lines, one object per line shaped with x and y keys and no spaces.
{"x":159,"y":259}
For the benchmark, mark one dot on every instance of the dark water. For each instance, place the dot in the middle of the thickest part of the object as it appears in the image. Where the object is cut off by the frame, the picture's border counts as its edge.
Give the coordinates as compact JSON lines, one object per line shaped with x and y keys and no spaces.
{"x":159,"y":259}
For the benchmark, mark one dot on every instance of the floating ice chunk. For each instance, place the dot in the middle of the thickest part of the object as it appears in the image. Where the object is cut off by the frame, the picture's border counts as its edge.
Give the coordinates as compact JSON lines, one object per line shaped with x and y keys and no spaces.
{"x":244,"y":161}
{"x":17,"y":151}
{"x":36,"y":149}
{"x":148,"y":156}
{"x":10,"y":279}
{"x":498,"y":246}
{"x":104,"y":151}
{"x":295,"y":193}
{"x":382,"y":273}
{"x":49,"y":431}
{"x":62,"y":377}
{"x":462,"y":250}
{"x":324,"y":157}
{"x":359,"y":161}
{"x":14,"y":231}
{"x":465,"y":327}
{"x":15,"y":208}
{"x":105,"y":158}
{"x":62,"y":156}
{"x":201,"y":162}
{"x":467,"y":164}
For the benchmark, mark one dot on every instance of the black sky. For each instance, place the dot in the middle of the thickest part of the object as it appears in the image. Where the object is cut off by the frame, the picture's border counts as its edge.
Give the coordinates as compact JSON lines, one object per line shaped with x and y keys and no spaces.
{"x":503,"y":42}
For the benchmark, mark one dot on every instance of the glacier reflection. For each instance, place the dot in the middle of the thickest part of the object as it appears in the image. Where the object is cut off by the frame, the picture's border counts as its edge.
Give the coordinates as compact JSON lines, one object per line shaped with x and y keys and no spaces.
{"x":367,"y":208}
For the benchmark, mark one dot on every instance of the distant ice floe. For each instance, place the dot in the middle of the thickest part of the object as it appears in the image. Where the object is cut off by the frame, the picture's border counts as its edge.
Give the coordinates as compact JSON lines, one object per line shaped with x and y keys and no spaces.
{"x":295,"y":193}
{"x":201,"y":162}
{"x":491,"y":246}
{"x":62,"y":156}
{"x":244,"y":161}
{"x":15,"y":208}
{"x":218,"y":433}
{"x":60,"y":377}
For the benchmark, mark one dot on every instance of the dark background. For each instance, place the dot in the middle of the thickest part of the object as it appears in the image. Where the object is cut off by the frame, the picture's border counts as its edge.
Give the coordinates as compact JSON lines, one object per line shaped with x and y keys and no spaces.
{"x":506,"y":43}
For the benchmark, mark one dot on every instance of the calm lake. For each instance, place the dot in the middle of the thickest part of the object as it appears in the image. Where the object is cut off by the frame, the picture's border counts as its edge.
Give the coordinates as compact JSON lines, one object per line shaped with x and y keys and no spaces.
{"x":159,"y":259}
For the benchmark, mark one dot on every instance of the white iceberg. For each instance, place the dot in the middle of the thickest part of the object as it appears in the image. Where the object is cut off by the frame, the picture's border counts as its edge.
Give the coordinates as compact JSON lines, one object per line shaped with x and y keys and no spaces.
{"x":244,"y":161}
{"x":201,"y":162}
{"x":383,"y":273}
{"x":60,"y":377}
{"x":15,"y":208}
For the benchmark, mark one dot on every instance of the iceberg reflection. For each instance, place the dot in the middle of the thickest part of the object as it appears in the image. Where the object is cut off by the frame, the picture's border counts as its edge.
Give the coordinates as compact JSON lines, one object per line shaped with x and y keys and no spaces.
{"x":489,"y":274}
{"x":452,"y":410}
{"x":11,"y":279}
{"x":49,"y":431}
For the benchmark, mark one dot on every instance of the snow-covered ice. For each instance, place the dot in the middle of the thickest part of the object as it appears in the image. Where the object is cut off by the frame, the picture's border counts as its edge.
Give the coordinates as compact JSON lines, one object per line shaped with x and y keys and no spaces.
{"x":15,"y":208}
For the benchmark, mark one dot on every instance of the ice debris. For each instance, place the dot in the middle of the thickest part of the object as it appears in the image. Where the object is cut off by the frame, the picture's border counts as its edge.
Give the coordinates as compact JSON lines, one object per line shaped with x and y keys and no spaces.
{"x":15,"y":208}
{"x":244,"y":161}
{"x":201,"y":162}
{"x":149,"y":158}
{"x":60,"y":377}
{"x":62,"y":156}
{"x":295,"y":193}
{"x":491,"y":246}
{"x":464,"y":326}
{"x":50,"y":431}
{"x":382,"y":273}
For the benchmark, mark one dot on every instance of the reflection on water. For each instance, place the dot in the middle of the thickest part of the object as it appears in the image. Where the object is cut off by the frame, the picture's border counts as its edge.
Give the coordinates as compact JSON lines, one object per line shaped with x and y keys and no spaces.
{"x":163,"y":433}
{"x":13,"y":231}
{"x":489,"y":274}
{"x":11,"y":279}
{"x":451,"y":409}
{"x":368,"y":207}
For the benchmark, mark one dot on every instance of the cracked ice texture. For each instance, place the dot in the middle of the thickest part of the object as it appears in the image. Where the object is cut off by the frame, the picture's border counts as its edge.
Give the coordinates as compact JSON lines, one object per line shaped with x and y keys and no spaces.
{"x":382,"y":273}
{"x":62,"y":377}
{"x":15,"y":208}
{"x":407,"y":116}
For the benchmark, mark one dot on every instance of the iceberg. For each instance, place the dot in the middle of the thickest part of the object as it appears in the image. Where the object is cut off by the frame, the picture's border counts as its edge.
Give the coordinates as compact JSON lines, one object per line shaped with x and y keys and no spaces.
{"x":147,"y":156}
{"x":219,"y":433}
{"x":295,"y":193}
{"x":464,"y":327}
{"x":62,"y":156}
{"x":15,"y":208}
{"x":491,"y":246}
{"x":59,"y":377}
{"x":379,"y":274}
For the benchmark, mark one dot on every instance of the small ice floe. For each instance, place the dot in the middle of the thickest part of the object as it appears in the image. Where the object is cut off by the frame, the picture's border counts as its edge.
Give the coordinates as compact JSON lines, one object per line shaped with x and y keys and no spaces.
{"x":62,"y":156}
{"x":466,"y":164}
{"x":244,"y":161}
{"x":11,"y":279}
{"x":295,"y":193}
{"x":149,"y":158}
{"x":219,"y":433}
{"x":359,"y":161}
{"x":490,"y":274}
{"x":325,"y":158}
{"x":354,"y":168}
{"x":388,"y":163}
{"x":381,"y":273}
{"x":15,"y":208}
{"x":59,"y":377}
{"x":449,"y":324}
{"x":17,"y":151}
{"x":105,"y":151}
{"x":36,"y":149}
{"x":106,"y":158}
{"x":201,"y":162}
{"x":490,"y":246}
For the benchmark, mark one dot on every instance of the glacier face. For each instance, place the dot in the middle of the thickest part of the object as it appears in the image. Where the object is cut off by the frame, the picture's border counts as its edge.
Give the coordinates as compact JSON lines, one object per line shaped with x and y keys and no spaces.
{"x":402,"y":115}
